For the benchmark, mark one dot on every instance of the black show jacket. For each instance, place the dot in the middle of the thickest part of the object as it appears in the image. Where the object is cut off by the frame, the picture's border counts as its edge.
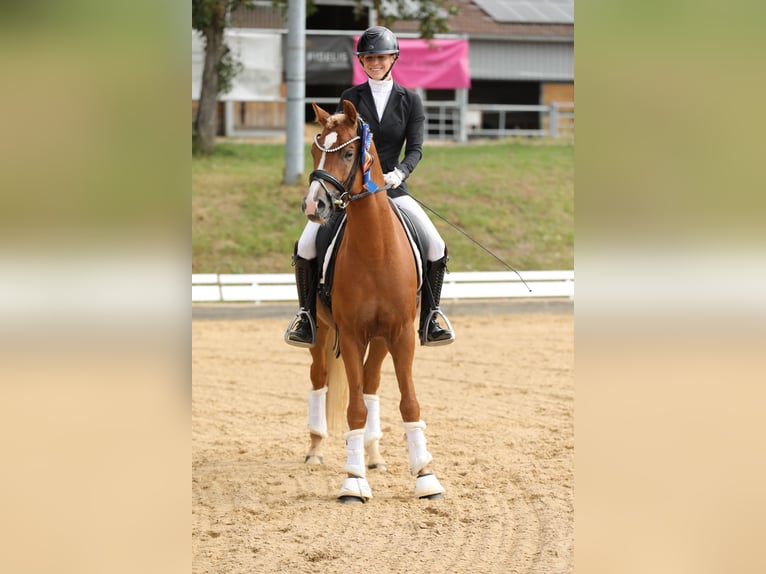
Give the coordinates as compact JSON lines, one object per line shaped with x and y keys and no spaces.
{"x":403,"y":121}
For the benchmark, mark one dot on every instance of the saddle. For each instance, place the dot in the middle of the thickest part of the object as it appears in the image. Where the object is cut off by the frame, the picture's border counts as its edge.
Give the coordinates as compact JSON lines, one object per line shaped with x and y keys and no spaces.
{"x":330,"y":236}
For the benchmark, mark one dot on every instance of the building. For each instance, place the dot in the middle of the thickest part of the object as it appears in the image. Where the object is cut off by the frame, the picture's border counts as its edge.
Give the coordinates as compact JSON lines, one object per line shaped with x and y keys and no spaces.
{"x":521,"y":65}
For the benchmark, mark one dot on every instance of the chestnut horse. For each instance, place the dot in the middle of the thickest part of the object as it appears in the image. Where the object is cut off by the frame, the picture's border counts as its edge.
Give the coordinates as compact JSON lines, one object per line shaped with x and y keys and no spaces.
{"x":374,"y":306}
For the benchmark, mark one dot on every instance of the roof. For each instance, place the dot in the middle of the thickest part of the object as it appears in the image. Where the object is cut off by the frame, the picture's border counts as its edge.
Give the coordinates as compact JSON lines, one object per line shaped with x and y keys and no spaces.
{"x":476,"y":21}
{"x":499,"y":19}
{"x":534,"y":11}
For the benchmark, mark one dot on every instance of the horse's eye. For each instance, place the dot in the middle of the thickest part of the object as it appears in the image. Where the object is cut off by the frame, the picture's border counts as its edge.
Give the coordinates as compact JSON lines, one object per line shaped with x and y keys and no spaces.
{"x":348,"y":155}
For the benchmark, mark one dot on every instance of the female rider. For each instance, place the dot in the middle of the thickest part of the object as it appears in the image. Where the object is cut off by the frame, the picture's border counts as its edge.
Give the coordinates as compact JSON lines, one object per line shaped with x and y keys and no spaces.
{"x":395,"y":116}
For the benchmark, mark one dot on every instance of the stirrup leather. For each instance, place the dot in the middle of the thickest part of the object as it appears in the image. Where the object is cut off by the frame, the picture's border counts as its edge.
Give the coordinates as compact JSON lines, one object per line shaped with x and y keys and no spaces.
{"x":424,"y":331}
{"x":301,"y":314}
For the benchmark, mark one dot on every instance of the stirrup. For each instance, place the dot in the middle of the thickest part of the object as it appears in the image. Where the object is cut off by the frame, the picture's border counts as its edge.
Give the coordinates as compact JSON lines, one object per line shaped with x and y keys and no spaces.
{"x":424,"y":332}
{"x":300,"y":314}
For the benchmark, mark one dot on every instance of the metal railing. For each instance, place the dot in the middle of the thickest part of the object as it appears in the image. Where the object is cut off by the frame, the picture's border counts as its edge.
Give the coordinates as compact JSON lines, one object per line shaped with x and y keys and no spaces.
{"x":444,"y":120}
{"x":449,"y":120}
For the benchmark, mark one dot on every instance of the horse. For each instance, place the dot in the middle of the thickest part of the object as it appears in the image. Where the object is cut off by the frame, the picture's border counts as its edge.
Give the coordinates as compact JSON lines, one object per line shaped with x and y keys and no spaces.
{"x":374,"y":305}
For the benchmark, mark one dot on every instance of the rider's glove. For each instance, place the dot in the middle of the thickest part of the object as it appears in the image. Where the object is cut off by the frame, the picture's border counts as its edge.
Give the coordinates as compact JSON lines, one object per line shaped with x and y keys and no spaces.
{"x":394,"y":178}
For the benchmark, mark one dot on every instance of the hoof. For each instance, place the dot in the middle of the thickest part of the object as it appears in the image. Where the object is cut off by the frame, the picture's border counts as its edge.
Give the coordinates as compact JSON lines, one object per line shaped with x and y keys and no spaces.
{"x":437,"y":496}
{"x":347,"y":499}
{"x":380,"y":467}
{"x":313,"y":459}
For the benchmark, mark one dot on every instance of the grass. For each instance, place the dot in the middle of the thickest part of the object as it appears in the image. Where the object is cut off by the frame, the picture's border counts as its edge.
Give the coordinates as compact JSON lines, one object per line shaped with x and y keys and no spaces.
{"x":516,"y":197}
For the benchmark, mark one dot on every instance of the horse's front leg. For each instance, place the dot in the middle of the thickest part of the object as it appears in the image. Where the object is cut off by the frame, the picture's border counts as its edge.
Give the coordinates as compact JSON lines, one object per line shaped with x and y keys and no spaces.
{"x":355,"y":488}
{"x":317,"y":423}
{"x":372,"y":430}
{"x":427,"y":486}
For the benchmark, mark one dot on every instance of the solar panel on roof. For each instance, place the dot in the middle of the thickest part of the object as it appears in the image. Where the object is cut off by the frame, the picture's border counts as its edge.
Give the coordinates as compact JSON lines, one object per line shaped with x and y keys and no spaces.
{"x":531,"y":11}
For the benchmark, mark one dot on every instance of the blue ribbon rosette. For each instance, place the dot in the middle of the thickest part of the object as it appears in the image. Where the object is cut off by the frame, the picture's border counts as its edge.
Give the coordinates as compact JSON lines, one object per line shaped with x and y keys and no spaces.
{"x":366,"y":159}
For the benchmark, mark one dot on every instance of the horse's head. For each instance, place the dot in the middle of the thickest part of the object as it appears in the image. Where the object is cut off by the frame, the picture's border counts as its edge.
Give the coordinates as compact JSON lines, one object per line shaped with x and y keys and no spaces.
{"x":336,"y":162}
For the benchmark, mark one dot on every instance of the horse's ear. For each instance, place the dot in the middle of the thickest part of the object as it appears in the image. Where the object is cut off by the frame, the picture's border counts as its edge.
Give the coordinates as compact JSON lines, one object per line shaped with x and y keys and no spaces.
{"x":350,"y":111}
{"x":321,"y":115}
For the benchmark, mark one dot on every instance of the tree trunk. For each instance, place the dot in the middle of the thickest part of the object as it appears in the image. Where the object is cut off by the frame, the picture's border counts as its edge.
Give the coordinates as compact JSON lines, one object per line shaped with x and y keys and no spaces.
{"x":206,"y":112}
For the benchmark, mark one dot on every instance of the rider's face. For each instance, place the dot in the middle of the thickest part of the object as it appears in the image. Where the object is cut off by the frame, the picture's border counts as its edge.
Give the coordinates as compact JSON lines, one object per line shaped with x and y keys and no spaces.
{"x":376,"y":65}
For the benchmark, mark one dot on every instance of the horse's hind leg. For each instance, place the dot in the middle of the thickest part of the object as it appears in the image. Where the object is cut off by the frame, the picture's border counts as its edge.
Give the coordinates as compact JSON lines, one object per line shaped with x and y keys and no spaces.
{"x":317,"y":423}
{"x":372,"y":431}
{"x":317,"y":426}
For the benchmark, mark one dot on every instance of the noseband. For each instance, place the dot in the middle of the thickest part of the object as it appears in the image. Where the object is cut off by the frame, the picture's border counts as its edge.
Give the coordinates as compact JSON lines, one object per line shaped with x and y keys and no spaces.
{"x":322,"y":176}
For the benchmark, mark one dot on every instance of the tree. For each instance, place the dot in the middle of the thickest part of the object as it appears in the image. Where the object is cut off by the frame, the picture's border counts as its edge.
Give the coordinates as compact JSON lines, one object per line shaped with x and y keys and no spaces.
{"x":211,"y":17}
{"x":431,"y":14}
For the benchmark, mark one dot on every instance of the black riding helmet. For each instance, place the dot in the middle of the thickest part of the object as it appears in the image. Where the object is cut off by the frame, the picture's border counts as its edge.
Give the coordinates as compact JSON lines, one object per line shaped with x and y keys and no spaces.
{"x":378,"y":40}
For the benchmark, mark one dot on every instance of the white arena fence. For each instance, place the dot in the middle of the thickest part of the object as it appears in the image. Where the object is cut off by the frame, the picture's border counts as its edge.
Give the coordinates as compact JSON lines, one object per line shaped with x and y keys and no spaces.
{"x":275,"y":287}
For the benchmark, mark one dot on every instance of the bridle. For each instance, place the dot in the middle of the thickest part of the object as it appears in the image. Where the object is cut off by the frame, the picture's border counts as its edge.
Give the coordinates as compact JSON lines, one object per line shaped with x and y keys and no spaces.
{"x":344,"y":188}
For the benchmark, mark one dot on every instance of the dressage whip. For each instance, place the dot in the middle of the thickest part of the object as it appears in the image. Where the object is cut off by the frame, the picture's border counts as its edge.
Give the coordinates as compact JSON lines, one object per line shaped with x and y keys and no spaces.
{"x":455,"y":227}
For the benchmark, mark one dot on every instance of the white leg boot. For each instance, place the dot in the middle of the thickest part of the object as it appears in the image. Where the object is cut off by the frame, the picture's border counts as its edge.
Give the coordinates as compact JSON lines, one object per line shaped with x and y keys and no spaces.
{"x":373,"y":434}
{"x":355,"y":486}
{"x":355,"y":452}
{"x":317,"y":412}
{"x":372,"y":426}
{"x":416,"y":446}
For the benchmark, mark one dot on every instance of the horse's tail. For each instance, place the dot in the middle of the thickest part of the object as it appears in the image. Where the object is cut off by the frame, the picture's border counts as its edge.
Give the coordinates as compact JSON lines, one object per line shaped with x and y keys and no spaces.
{"x":337,"y":390}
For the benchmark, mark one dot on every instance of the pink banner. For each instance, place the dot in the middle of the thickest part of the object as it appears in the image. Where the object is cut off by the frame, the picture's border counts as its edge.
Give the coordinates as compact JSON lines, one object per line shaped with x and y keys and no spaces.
{"x":431,"y":64}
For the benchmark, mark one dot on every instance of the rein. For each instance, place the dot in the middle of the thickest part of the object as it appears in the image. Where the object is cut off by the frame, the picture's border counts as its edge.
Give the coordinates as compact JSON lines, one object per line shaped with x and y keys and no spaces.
{"x":362,"y":195}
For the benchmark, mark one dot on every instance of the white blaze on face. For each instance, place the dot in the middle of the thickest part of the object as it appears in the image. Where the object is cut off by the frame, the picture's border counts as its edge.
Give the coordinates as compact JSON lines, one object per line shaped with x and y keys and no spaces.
{"x":329,"y":141}
{"x":311,"y":205}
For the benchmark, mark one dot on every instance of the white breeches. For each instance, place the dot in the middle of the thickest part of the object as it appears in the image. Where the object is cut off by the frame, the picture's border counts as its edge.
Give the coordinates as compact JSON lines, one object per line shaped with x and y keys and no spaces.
{"x":436,"y":243}
{"x":307,"y":244}
{"x":307,"y":247}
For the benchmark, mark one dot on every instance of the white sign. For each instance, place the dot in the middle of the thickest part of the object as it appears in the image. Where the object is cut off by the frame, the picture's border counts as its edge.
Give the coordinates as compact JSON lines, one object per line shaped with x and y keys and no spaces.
{"x":261,"y":57}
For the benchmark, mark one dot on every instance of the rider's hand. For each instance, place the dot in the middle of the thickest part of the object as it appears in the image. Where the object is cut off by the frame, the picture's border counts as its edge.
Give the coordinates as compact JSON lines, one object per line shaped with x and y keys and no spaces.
{"x":394,"y":178}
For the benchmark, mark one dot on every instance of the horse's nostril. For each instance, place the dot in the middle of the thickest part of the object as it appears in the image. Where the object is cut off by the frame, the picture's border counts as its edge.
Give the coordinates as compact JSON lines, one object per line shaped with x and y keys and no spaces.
{"x":320,"y":205}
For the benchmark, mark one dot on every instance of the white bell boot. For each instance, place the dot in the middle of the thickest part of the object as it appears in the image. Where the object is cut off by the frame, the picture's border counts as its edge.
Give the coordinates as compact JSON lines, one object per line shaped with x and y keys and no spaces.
{"x":356,"y":488}
{"x":355,"y":453}
{"x":372,"y":426}
{"x":317,"y":412}
{"x":416,"y":446}
{"x":428,"y":485}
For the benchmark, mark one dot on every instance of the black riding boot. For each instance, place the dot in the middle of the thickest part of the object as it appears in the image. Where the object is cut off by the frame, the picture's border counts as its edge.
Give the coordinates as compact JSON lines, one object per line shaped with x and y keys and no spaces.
{"x":431,"y":332}
{"x":302,"y":329}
